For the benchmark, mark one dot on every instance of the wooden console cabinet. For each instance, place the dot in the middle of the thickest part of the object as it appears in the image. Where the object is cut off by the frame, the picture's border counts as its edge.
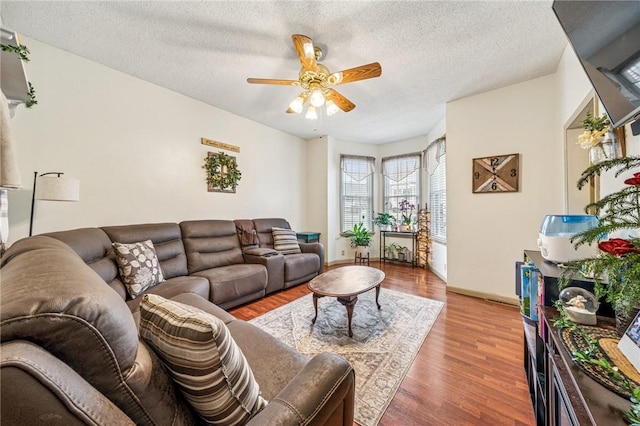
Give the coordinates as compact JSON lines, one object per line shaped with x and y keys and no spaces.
{"x":561,"y":394}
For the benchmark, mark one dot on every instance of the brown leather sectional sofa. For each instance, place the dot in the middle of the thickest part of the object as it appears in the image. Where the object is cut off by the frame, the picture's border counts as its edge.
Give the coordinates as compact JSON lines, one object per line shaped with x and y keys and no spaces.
{"x":71,"y":353}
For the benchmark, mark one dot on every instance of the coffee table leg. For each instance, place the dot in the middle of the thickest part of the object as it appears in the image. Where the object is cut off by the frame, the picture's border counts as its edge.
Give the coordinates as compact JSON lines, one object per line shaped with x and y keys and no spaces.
{"x":349,"y":304}
{"x":377,"y":294}
{"x":315,"y":307}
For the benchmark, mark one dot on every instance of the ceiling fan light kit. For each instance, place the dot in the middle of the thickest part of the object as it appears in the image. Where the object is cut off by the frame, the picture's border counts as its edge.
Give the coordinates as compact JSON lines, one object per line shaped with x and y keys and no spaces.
{"x":316,"y":78}
{"x":311,"y":113}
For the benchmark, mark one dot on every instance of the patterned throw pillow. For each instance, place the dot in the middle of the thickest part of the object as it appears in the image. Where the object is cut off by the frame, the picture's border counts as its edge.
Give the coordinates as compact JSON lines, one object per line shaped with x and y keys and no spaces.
{"x":203,"y":359}
{"x":138,"y":266}
{"x":285,"y":241}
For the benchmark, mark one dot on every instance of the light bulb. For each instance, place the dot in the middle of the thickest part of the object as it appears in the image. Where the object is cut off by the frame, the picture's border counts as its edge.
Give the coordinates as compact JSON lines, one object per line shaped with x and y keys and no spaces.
{"x":317,"y":98}
{"x":332,"y":108}
{"x":311,"y":113}
{"x":296,"y":105}
{"x":308,"y":50}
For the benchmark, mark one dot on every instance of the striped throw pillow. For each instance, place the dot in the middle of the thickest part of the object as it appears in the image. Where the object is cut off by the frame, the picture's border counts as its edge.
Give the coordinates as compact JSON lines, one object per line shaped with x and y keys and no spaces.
{"x":203,"y":359}
{"x":285,"y":241}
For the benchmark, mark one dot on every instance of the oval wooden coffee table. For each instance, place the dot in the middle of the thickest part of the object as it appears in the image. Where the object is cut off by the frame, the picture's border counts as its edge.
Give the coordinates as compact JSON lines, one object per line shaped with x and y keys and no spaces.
{"x":345,"y":283}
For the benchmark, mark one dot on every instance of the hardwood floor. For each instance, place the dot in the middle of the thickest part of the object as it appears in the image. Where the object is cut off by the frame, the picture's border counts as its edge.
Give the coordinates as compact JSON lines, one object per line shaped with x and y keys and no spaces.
{"x":469,"y":370}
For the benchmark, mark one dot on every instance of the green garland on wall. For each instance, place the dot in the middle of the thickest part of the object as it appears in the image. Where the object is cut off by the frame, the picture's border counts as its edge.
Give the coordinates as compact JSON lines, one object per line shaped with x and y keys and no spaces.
{"x":222,"y":171}
{"x":23,"y":52}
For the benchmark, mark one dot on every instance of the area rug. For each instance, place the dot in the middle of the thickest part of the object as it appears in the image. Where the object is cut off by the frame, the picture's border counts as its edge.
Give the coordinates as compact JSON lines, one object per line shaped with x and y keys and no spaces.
{"x":384,"y":343}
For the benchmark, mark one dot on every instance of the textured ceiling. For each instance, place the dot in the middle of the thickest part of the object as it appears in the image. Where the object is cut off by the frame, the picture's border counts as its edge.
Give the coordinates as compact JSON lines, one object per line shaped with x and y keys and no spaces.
{"x":431,"y":52}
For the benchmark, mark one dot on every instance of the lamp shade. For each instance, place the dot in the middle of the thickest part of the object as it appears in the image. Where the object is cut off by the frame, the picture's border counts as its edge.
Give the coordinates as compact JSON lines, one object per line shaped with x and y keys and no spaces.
{"x":57,"y":188}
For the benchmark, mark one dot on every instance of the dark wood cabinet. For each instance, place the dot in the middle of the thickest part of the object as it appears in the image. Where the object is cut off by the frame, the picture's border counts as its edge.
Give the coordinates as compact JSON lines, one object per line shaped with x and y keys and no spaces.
{"x":574,"y":397}
{"x":561,"y":393}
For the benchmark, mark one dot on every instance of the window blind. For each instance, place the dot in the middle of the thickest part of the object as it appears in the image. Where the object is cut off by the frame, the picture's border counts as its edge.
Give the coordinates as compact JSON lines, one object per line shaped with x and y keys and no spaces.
{"x":438,"y":200}
{"x":356,"y":201}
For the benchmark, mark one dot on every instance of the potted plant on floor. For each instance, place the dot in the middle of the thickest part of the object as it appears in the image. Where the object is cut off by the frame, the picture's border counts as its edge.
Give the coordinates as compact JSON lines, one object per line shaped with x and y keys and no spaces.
{"x":360,"y":239}
{"x":616,"y":269}
{"x":384,"y":220}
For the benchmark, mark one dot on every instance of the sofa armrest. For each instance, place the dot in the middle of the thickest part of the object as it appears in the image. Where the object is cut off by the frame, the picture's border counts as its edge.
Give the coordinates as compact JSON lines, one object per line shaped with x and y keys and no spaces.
{"x":260,"y":251}
{"x":316,"y":248}
{"x":274,"y":265}
{"x":321,"y":394}
{"x":37,"y":388}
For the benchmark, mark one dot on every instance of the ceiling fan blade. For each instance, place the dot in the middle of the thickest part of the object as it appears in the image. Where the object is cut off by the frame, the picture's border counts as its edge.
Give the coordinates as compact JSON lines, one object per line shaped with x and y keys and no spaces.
{"x":303,"y":96}
{"x":362,"y":72}
{"x":306,"y":52}
{"x":341,"y":102}
{"x":272,"y":81}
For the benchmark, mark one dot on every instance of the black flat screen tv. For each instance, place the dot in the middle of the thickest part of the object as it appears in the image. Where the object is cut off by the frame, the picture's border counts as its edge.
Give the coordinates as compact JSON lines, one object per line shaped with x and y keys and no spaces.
{"x":605,"y":35}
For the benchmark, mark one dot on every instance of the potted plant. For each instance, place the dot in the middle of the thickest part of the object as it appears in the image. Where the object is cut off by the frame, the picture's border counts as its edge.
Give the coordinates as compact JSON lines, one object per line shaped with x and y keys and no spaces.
{"x":384,"y":220}
{"x":616,"y":269}
{"x":402,"y":253}
{"x":406,"y":209}
{"x":360,"y":239}
{"x":390,"y":251}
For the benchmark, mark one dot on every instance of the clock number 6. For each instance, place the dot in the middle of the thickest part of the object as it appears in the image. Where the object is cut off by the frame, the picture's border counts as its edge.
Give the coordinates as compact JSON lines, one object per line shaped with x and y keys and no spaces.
{"x":494,"y":185}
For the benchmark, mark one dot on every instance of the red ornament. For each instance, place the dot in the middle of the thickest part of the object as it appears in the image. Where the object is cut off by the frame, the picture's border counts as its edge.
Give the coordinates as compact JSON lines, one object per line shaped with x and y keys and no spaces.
{"x":635,"y":180}
{"x":617,"y":246}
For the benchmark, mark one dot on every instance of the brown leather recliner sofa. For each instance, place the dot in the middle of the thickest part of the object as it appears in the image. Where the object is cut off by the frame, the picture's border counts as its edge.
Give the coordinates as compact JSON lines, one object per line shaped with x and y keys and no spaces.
{"x":70,"y":348}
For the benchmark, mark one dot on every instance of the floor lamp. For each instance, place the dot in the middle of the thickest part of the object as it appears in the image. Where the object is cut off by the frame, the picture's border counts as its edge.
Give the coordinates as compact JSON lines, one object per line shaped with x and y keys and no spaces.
{"x":52,"y":188}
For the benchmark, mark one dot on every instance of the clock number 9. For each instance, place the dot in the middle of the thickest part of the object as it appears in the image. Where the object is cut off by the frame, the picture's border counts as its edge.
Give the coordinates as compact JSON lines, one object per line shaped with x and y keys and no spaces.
{"x":476,"y":175}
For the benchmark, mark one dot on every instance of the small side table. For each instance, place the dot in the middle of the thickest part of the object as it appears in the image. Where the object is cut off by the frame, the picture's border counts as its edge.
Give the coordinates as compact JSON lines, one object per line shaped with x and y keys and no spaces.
{"x":308,"y":237}
{"x":361,"y":260}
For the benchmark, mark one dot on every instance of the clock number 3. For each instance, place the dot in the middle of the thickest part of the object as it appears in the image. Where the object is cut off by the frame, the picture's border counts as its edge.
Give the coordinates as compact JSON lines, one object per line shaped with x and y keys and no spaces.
{"x":513,"y":172}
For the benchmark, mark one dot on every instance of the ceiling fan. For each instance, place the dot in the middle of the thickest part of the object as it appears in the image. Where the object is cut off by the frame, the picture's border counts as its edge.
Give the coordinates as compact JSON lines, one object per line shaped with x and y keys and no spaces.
{"x":316,"y":78}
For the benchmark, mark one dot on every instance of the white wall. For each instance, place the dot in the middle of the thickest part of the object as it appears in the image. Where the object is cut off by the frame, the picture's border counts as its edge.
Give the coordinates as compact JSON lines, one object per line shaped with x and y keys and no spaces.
{"x":135,"y":147}
{"x":487,"y":233}
{"x":573,"y":85}
{"x":317,"y":188}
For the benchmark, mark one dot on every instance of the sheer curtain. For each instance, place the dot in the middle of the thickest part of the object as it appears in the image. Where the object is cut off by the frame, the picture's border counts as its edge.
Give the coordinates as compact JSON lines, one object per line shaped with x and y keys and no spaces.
{"x":401,"y":182}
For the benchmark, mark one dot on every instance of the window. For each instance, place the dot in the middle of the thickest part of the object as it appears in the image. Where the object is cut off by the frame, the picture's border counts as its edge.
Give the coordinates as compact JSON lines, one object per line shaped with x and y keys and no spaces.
{"x":401,"y":182}
{"x":356,"y":198}
{"x":437,"y":167}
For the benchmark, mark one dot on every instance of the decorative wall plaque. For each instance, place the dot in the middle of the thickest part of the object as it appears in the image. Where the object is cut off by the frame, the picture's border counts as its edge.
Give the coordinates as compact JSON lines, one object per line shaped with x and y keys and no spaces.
{"x":499,"y":173}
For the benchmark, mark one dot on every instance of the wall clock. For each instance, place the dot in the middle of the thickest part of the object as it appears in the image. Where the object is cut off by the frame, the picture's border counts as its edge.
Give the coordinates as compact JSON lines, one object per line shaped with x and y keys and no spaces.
{"x":499,"y":173}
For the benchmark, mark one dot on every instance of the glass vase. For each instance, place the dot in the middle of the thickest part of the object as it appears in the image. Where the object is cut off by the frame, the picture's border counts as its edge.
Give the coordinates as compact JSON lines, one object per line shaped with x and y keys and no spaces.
{"x":607,"y":149}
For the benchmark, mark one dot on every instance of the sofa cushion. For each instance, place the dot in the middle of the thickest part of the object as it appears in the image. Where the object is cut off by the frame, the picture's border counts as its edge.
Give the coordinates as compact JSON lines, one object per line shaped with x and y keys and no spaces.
{"x":94,"y":247}
{"x":285,"y":240}
{"x":301,"y":265}
{"x":203,"y":359}
{"x":264,"y":228}
{"x":138,"y":266}
{"x":273,"y":362}
{"x":167,"y":240}
{"x":234,"y":281}
{"x":210,"y":244}
{"x":173,"y":287}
